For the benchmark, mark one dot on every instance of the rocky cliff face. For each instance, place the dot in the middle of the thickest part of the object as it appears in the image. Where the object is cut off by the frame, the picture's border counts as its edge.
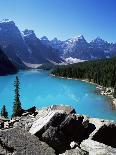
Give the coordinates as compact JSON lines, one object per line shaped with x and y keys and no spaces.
{"x":12,"y":42}
{"x":39,"y":53}
{"x":6,"y":66}
{"x":65,"y":133}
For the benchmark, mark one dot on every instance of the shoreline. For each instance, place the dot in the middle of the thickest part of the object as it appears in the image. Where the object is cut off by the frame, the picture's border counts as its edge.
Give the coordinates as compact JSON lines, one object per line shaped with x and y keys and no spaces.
{"x":106,"y":91}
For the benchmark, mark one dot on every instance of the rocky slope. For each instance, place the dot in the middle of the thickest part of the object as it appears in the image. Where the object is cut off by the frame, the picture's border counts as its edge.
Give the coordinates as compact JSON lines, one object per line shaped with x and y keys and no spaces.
{"x":6,"y":66}
{"x":12,"y":42}
{"x":24,"y":47}
{"x":39,"y":53}
{"x":65,"y":133}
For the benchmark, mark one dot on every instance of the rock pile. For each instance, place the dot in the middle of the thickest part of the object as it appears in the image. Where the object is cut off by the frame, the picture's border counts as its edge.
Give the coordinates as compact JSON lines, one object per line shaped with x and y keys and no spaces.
{"x":58,"y":130}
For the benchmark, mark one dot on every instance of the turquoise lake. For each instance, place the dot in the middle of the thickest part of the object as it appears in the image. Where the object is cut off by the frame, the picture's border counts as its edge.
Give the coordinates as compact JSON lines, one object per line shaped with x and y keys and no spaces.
{"x":41,"y":90}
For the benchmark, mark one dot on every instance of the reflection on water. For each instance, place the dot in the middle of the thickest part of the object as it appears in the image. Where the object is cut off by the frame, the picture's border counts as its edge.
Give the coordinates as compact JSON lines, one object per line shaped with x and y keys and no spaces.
{"x":41,"y":90}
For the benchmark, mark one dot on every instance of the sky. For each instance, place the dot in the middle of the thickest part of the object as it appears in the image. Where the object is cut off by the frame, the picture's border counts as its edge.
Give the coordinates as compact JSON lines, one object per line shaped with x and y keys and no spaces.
{"x":63,"y":19}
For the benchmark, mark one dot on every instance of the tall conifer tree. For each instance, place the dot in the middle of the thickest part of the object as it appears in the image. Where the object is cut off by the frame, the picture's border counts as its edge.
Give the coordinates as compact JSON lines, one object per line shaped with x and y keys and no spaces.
{"x":17,"y":109}
{"x":4,"y":112}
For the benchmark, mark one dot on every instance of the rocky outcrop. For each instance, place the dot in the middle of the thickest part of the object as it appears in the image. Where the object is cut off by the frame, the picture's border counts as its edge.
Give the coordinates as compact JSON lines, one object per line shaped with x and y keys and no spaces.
{"x":39,"y":124}
{"x":59,"y":126}
{"x":67,"y":109}
{"x":63,"y":130}
{"x":75,"y":151}
{"x":56,"y":139}
{"x":101,"y":139}
{"x":107,"y":135}
{"x":52,"y":115}
{"x":17,"y":141}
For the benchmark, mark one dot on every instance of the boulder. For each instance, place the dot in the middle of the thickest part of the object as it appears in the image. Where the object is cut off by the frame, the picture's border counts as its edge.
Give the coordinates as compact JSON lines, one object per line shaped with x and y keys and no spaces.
{"x":59,"y":129}
{"x":106,"y":134}
{"x":31,"y":110}
{"x":75,"y":151}
{"x":19,"y":142}
{"x":56,"y":120}
{"x":25,"y":122}
{"x":68,"y":109}
{"x":96,"y":148}
{"x":75,"y":129}
{"x":41,"y":121}
{"x":56,"y":139}
{"x":73,"y":145}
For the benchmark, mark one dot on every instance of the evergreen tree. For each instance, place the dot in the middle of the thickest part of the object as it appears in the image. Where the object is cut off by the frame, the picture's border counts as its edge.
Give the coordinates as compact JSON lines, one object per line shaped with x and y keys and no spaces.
{"x":4,"y":112}
{"x":17,"y":110}
{"x":102,"y":72}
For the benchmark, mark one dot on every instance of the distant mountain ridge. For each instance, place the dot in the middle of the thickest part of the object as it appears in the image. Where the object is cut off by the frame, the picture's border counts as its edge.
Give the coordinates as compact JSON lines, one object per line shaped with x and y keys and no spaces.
{"x":25,"y":47}
{"x":79,"y":48}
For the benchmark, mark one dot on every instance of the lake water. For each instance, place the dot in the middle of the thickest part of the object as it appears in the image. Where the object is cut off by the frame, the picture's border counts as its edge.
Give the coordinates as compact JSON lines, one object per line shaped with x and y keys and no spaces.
{"x":41,"y":90}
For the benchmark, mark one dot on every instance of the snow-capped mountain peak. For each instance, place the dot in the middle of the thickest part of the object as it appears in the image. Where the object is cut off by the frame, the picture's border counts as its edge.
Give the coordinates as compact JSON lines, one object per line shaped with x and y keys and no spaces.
{"x":27,"y":32}
{"x":44,"y":38}
{"x":30,"y":34}
{"x":99,"y":40}
{"x":55,"y":40}
{"x":79,"y":38}
{"x":5,"y":21}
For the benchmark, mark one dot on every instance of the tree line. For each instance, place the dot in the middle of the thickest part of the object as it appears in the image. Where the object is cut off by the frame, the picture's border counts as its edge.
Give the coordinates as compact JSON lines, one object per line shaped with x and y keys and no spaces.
{"x":17,"y":109}
{"x":102,"y":72}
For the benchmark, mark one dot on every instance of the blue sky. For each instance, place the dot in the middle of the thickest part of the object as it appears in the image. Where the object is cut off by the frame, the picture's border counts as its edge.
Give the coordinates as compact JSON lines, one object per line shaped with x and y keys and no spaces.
{"x":63,"y":18}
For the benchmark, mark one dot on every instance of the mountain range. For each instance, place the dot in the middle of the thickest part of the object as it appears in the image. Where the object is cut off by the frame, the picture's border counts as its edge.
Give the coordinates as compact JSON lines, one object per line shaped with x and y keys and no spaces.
{"x":78,"y":48}
{"x":25,"y":49}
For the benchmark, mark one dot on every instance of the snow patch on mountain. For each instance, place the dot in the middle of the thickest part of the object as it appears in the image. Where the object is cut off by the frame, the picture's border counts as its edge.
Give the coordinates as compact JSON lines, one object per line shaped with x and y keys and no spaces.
{"x":30,"y":65}
{"x":71,"y":60}
{"x":5,"y":21}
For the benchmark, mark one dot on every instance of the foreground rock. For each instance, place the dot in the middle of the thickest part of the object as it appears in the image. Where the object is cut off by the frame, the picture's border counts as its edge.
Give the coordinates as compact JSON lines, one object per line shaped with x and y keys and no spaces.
{"x":45,"y":115}
{"x":41,"y":122}
{"x":19,"y":142}
{"x":63,"y":130}
{"x":76,"y":151}
{"x":96,"y":148}
{"x":58,"y":127}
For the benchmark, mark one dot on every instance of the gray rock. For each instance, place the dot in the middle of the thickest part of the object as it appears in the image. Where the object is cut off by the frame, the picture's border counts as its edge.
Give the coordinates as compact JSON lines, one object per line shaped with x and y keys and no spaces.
{"x":19,"y":142}
{"x":76,"y":151}
{"x":96,"y":148}
{"x":56,"y":139}
{"x":42,"y":120}
{"x":75,"y":129}
{"x":56,"y":120}
{"x":66,"y":108}
{"x":59,"y":128}
{"x":106,"y":134}
{"x":25,"y":122}
{"x":62,"y":129}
